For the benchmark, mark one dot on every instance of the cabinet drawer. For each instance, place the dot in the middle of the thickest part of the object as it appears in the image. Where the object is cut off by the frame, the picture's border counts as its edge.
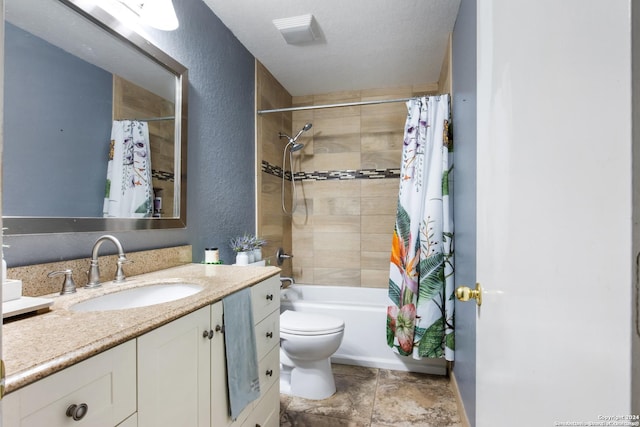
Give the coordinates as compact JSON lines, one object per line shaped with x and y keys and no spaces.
{"x":269,"y":369}
{"x":267,"y":334}
{"x":106,"y":383}
{"x":267,"y":410}
{"x":265,"y":298}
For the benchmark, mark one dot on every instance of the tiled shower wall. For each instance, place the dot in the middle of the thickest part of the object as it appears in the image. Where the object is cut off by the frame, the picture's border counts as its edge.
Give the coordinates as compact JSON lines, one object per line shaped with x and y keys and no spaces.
{"x":273,"y":225}
{"x":341,"y":231}
{"x":347,"y":180}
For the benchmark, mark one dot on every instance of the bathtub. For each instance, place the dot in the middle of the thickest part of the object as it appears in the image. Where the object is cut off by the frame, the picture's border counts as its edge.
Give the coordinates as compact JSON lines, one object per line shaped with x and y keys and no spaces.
{"x":364,"y":311}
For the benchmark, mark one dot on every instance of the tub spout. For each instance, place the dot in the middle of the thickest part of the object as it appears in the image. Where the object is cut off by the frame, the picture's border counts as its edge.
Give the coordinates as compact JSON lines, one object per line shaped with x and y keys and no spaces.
{"x":284,"y":279}
{"x":281,"y":256}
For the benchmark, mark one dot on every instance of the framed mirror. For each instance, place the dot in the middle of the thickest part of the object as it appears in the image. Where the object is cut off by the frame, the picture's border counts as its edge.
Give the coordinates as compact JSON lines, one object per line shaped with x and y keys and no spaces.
{"x":73,"y":74}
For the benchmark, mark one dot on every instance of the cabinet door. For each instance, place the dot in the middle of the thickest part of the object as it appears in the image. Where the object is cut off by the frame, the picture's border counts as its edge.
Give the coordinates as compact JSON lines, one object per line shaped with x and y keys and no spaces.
{"x":105,"y":383}
{"x":174,"y":373}
{"x":219,"y":394}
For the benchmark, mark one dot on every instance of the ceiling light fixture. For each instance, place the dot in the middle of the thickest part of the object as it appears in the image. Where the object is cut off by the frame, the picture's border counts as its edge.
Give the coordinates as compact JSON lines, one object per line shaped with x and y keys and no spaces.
{"x":298,"y":29}
{"x":158,"y":14}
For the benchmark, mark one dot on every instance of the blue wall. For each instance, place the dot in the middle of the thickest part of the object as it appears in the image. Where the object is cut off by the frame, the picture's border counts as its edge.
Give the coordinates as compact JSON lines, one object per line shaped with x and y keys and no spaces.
{"x":464,"y":134}
{"x":48,"y":115}
{"x":221,"y":159}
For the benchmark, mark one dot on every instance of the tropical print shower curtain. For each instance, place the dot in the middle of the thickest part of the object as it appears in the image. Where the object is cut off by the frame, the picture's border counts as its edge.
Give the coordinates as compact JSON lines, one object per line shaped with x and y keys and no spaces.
{"x":420,"y":316}
{"x":129,"y":191}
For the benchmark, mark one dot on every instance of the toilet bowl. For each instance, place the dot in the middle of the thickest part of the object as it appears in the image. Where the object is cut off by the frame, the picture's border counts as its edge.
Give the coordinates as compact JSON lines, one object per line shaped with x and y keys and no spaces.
{"x":307,"y":341}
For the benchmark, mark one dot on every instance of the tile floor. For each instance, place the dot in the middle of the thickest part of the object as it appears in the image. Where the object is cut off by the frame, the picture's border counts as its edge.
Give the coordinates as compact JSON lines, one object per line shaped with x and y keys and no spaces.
{"x":376,"y":398}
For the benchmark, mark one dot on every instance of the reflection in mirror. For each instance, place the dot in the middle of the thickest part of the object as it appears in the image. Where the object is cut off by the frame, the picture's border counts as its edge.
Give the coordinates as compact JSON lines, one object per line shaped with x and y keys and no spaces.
{"x":69,"y":91}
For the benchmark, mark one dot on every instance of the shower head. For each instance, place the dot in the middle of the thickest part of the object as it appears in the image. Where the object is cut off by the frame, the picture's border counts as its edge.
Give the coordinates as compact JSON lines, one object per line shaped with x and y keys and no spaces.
{"x":304,"y":129}
{"x":292,"y":141}
{"x":296,"y":146}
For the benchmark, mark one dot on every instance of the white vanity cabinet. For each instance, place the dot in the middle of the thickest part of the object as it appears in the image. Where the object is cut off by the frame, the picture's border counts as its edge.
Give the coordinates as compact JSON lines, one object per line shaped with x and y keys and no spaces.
{"x":182,"y":377}
{"x":174,"y":375}
{"x":99,"y":391}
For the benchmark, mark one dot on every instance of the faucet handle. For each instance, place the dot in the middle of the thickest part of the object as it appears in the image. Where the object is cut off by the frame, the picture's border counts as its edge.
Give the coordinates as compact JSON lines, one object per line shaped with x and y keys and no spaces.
{"x":68,"y":286}
{"x":120,"y":276}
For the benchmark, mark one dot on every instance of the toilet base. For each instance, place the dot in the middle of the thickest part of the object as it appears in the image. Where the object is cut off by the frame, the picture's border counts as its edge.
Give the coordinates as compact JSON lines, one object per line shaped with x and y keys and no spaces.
{"x":309,"y":380}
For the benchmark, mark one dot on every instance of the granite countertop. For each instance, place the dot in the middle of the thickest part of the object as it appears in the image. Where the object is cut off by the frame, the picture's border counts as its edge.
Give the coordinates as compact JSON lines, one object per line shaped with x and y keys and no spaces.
{"x":41,"y":345}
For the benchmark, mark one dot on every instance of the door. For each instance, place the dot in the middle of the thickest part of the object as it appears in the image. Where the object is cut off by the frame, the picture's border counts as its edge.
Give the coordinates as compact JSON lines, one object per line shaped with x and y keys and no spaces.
{"x":553,"y":212}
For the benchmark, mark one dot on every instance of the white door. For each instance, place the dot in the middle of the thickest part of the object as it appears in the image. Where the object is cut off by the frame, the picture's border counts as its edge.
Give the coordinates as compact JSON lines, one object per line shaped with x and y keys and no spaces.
{"x":1,"y":144}
{"x":553,"y":212}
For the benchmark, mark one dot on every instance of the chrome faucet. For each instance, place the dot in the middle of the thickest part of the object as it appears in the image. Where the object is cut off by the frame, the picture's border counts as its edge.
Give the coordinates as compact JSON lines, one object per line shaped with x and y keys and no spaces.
{"x":94,"y":270}
{"x":281,"y":255}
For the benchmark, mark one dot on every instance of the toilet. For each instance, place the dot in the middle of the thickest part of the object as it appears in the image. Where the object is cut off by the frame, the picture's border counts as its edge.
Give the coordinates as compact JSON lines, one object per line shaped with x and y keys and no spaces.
{"x":307,"y":341}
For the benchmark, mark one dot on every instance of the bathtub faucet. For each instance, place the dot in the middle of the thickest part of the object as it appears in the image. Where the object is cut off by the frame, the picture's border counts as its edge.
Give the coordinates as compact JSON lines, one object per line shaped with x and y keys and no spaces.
{"x":281,"y":255}
{"x":286,"y":279}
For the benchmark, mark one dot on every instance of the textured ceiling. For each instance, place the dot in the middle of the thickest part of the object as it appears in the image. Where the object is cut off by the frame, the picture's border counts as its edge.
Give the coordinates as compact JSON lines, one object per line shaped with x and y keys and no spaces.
{"x":364,"y":43}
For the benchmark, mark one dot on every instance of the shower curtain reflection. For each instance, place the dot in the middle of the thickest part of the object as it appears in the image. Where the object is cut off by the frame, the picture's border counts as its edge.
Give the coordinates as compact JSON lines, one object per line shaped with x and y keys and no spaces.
{"x":129,"y":191}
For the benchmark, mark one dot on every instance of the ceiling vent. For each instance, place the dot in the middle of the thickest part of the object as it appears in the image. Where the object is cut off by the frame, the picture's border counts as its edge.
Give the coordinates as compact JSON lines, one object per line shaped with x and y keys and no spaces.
{"x":298,"y":29}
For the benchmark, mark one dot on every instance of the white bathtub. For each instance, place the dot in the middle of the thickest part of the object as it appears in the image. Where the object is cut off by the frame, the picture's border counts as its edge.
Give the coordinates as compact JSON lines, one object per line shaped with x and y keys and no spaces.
{"x":364,"y":311}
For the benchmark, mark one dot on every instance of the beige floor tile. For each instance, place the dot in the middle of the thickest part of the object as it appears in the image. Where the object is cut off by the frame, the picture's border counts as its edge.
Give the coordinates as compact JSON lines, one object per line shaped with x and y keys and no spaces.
{"x":354,"y":371}
{"x":353,"y":400}
{"x":309,"y":420}
{"x":376,"y":398}
{"x":410,"y":399}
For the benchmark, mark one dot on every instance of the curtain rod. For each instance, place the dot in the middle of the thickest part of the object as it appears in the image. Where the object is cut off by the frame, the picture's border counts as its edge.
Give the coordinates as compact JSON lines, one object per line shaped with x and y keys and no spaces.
{"x":152,"y":119}
{"x":348,"y":104}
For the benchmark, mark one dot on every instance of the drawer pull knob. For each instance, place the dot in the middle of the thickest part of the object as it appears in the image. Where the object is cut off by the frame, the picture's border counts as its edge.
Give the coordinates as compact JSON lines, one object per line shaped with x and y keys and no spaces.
{"x":77,"y":412}
{"x":270,"y":297}
{"x":207,"y":334}
{"x":269,"y":334}
{"x":220,"y":329}
{"x":269,"y":372}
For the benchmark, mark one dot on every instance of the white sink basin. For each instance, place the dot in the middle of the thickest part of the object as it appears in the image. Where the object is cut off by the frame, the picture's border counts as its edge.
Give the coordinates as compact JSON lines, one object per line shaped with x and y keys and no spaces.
{"x":138,"y":297}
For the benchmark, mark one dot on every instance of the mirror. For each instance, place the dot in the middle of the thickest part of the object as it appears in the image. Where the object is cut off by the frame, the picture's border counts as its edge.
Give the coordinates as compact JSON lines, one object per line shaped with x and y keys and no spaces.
{"x":72,"y":71}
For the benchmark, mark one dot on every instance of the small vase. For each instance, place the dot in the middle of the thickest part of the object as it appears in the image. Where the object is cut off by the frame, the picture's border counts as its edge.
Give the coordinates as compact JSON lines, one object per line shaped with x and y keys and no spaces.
{"x":242,"y":258}
{"x":250,"y":255}
{"x":257,"y":254}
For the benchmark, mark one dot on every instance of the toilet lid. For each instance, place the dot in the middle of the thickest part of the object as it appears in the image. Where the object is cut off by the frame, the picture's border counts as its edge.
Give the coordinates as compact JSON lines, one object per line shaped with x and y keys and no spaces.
{"x":298,"y":323}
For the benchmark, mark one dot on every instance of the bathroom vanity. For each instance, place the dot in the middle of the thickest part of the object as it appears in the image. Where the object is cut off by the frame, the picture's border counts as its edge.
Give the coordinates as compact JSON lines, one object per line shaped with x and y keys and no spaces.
{"x":160,"y":365}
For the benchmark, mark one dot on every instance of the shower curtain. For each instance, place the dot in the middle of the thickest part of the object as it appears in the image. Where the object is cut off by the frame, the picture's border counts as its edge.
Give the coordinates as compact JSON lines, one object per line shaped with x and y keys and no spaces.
{"x":420,"y":316}
{"x":129,"y":191}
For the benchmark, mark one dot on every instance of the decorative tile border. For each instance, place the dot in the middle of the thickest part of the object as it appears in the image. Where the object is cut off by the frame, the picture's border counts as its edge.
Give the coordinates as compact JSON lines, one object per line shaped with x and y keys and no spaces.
{"x":162,"y":175}
{"x":332,"y":175}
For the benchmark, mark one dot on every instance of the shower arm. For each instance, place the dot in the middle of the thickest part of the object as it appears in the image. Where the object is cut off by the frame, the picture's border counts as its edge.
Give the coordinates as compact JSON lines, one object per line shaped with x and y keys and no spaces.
{"x":291,"y":140}
{"x":284,"y":135}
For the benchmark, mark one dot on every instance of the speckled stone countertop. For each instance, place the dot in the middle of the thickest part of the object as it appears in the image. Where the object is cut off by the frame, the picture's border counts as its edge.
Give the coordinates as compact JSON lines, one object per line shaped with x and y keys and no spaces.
{"x":41,"y":345}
